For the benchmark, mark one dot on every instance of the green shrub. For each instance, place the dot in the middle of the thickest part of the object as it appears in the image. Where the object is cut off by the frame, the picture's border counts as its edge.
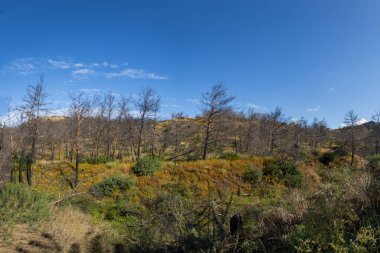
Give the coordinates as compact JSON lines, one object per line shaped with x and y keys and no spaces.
{"x":374,"y":167}
{"x":108,"y":186}
{"x":327,"y":158}
{"x":97,"y":160}
{"x":367,"y":240}
{"x":287,"y":172}
{"x":254,"y":176}
{"x":86,"y":203}
{"x":374,"y":163}
{"x":273,"y":169}
{"x":301,"y":155}
{"x":146,"y":166}
{"x":20,"y":204}
{"x":229,"y":156}
{"x":292,"y":174}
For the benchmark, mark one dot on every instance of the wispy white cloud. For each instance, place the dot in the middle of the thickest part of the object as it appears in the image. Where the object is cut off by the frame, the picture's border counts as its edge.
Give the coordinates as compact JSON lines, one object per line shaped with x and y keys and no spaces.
{"x":313,"y":109}
{"x":256,"y":107}
{"x":81,"y":70}
{"x":91,"y":91}
{"x":70,"y":64}
{"x":24,"y":66}
{"x":136,"y":74}
{"x":100,"y":65}
{"x":59,"y":64}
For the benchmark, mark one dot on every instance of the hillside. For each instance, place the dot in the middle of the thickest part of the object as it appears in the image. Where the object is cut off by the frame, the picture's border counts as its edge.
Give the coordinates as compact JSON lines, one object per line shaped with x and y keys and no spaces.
{"x":189,"y":206}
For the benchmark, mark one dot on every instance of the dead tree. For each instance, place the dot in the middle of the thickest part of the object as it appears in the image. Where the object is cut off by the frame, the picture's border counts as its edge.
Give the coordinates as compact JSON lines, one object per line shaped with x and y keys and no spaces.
{"x":351,"y":121}
{"x":109,"y":105}
{"x":147,"y":104}
{"x":34,"y":105}
{"x":124,"y":128}
{"x":214,"y":105}
{"x":81,"y":108}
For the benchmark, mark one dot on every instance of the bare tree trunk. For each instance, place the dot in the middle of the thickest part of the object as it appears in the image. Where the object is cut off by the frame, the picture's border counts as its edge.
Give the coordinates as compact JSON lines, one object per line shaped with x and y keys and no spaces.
{"x":59,"y":151}
{"x":52,"y":151}
{"x":29,"y":173}
{"x":72,"y":153}
{"x":352,"y":150}
{"x":140,"y":137}
{"x":76,"y":181}
{"x":206,"y":141}
{"x":20,"y":177}
{"x":30,"y":162}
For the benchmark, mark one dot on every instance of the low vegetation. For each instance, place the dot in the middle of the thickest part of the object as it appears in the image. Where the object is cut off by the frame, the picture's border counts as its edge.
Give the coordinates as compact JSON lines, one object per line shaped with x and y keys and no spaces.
{"x":147,"y":166}
{"x":220,"y":182}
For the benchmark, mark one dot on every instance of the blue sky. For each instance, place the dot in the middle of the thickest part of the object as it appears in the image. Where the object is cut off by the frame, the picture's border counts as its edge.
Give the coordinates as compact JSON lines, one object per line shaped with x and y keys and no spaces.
{"x":312,"y":58}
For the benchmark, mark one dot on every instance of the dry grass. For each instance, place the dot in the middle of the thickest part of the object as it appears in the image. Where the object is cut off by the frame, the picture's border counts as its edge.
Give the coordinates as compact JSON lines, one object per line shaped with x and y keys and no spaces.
{"x":69,"y":226}
{"x":24,"y":238}
{"x":55,"y":176}
{"x":213,"y":174}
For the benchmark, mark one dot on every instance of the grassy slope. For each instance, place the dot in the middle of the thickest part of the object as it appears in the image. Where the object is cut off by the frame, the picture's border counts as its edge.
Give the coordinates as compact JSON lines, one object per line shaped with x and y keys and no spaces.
{"x":68,"y":226}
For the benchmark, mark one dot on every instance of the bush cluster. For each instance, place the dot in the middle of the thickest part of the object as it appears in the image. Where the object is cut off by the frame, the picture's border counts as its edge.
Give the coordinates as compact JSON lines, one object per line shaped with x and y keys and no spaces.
{"x":146,"y":166}
{"x":327,"y":158}
{"x":287,"y":172}
{"x":97,"y":160}
{"x":108,"y":186}
{"x":253,"y":176}
{"x":374,"y":163}
{"x":20,"y":204}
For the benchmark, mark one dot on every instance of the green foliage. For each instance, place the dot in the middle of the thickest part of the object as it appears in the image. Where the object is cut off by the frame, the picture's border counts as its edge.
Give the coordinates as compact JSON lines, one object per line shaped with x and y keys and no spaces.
{"x":327,"y":236}
{"x":188,"y":224}
{"x":108,"y":186}
{"x":292,"y":174}
{"x":367,"y":240}
{"x":254,"y":176}
{"x":337,"y":233}
{"x":350,"y":223}
{"x":335,"y":176}
{"x":301,"y":155}
{"x":374,"y":163}
{"x":171,"y":213}
{"x":327,"y":158}
{"x":287,"y":172}
{"x":97,"y":160}
{"x":229,"y":156}
{"x":146,"y":166}
{"x":85,"y":203}
{"x":20,"y":204}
